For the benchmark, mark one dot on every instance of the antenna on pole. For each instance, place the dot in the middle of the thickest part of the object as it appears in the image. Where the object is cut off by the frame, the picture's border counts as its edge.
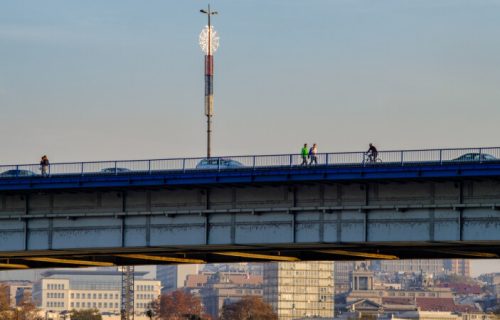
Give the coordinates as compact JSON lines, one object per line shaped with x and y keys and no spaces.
{"x":209,"y":42}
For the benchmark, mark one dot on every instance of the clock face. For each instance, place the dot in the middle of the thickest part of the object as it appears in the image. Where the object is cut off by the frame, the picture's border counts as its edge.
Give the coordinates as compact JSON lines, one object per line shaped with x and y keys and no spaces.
{"x":214,"y":40}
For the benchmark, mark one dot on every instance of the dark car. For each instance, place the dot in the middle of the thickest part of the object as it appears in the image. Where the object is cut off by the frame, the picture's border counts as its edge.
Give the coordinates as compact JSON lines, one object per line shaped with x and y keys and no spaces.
{"x":475,"y":157}
{"x":115,"y":170}
{"x":218,"y":163}
{"x":17,"y":173}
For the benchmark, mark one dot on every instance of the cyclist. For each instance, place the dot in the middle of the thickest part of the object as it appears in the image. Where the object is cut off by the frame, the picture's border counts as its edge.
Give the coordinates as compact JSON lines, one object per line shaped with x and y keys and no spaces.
{"x":372,"y":153}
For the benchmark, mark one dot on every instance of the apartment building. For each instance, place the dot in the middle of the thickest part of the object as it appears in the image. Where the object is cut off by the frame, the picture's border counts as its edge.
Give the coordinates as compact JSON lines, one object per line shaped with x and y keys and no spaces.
{"x":300,"y":289}
{"x":63,"y":290}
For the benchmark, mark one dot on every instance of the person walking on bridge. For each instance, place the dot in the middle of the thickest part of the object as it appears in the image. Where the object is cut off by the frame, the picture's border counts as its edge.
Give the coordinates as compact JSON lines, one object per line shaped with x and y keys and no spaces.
{"x":312,"y":154}
{"x":304,"y":153}
{"x":44,"y":166}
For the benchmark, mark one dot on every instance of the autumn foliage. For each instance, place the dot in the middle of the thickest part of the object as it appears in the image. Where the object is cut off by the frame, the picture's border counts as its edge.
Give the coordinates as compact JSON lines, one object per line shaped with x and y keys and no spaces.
{"x":179,"y":305}
{"x":25,"y":311}
{"x":88,"y":314}
{"x":248,"y":308}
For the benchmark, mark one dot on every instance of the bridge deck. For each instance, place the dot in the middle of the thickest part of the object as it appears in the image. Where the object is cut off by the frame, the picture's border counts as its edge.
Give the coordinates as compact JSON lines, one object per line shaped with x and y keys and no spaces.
{"x":277,"y":174}
{"x":421,"y":207}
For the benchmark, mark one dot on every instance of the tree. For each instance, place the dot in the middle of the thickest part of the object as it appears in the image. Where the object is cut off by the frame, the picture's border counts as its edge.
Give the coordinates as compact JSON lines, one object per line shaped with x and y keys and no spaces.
{"x":248,"y":308}
{"x":4,"y":302}
{"x":26,"y":310}
{"x":88,"y":314}
{"x":179,"y":305}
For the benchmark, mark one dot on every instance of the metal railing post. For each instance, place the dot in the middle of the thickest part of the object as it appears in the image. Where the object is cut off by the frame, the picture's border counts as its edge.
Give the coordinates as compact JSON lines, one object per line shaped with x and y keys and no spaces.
{"x":17,"y":171}
{"x":402,"y":160}
{"x":291,"y":160}
{"x":326,"y":160}
{"x":149,"y":166}
{"x":253,"y":163}
{"x":480,"y":155}
{"x":184,"y":165}
{"x":81,"y":169}
{"x":116,"y":168}
{"x":441,"y":156}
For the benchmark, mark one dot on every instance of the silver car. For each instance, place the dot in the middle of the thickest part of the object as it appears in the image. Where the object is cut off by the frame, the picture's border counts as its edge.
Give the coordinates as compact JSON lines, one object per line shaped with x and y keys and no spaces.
{"x":475,"y":157}
{"x":218,"y":163}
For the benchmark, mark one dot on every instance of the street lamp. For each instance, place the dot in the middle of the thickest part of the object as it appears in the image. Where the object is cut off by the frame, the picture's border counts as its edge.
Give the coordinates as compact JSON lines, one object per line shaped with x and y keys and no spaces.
{"x":209,"y":42}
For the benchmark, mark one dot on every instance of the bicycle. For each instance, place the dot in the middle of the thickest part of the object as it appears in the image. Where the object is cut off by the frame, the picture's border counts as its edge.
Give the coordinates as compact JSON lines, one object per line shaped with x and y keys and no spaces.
{"x":369,"y":158}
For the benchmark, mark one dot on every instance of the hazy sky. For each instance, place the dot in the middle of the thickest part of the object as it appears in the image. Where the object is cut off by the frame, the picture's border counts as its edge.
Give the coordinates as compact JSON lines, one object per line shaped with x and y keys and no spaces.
{"x":123,"y":79}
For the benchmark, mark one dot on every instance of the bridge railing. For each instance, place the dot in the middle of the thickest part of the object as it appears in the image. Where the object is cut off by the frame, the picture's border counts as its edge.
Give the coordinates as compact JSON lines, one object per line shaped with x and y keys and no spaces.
{"x":353,"y":159}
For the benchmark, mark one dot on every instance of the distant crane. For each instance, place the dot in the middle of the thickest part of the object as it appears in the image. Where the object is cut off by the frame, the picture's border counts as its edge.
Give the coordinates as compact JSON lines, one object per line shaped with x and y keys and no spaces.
{"x":127,"y":299}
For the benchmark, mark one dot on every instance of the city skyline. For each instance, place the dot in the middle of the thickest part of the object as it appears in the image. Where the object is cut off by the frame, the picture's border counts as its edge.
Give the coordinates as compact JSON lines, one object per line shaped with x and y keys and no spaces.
{"x":121,"y":80}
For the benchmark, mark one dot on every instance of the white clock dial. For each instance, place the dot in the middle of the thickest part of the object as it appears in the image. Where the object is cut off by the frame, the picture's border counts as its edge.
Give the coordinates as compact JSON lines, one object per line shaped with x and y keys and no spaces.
{"x":214,"y":40}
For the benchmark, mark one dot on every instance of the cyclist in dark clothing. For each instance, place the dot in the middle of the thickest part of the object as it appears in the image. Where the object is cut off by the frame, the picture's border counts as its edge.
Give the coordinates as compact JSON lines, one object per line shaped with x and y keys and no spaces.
{"x":372,"y":153}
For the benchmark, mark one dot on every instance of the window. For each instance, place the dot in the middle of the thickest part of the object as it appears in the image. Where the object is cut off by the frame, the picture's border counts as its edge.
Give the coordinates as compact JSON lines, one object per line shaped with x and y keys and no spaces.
{"x":72,"y":295}
{"x":88,"y":304}
{"x":116,"y":295}
{"x":94,"y":296}
{"x":78,"y":304}
{"x":105,"y":304}
{"x":100,"y":296}
{"x":88,"y":295}
{"x":105,"y":296}
{"x":72,"y":304}
{"x":94,"y":305}
{"x":78,"y":295}
{"x":99,"y":305}
{"x":116,"y":305}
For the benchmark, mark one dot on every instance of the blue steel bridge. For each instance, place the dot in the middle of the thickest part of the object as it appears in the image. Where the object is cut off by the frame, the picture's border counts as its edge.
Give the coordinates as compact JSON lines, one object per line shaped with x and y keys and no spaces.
{"x":436,"y":203}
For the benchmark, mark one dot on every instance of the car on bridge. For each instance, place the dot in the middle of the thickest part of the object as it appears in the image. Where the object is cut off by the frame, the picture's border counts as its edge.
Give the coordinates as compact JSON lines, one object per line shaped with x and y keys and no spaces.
{"x":115,"y":170}
{"x":474,"y":156}
{"x":18,"y":173}
{"x":219,"y":163}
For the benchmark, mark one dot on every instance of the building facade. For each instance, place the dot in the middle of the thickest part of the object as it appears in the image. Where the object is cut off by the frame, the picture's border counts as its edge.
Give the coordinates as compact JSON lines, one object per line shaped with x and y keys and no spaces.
{"x":342,"y":276}
{"x":64,"y":290}
{"x":300,"y":289}
{"x":459,"y":267}
{"x":16,"y":291}
{"x":434,"y":266}
{"x":173,"y":277}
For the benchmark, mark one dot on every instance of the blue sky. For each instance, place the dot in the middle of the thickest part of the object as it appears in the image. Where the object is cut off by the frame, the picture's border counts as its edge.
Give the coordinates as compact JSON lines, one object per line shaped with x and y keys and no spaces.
{"x":123,"y":79}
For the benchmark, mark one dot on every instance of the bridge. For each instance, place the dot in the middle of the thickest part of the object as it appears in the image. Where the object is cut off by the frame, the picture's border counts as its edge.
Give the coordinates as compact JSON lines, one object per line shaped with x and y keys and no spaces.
{"x":439,"y":203}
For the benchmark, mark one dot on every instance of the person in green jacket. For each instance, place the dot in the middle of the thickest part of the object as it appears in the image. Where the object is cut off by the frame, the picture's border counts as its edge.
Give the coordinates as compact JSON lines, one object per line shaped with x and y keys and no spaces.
{"x":304,"y":153}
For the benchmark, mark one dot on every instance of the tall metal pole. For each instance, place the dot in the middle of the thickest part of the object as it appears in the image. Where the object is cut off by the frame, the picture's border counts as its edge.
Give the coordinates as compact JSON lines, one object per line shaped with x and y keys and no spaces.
{"x":209,"y":78}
